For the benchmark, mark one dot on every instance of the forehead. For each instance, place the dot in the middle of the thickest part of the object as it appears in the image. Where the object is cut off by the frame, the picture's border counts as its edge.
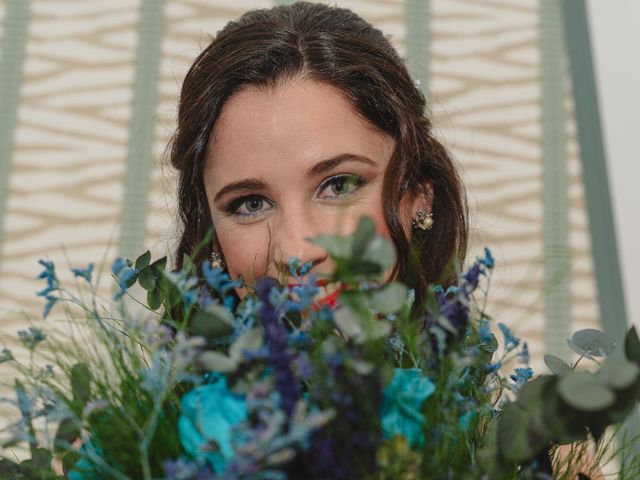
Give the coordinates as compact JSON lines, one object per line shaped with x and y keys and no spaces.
{"x":288,"y":128}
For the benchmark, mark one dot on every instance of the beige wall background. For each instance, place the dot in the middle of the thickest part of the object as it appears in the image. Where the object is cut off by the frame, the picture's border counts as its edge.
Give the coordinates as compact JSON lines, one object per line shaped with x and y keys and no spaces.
{"x":76,"y":138}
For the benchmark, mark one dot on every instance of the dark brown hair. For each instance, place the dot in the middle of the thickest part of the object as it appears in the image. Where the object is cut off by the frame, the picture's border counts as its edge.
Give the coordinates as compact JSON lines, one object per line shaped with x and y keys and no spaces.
{"x":333,"y":45}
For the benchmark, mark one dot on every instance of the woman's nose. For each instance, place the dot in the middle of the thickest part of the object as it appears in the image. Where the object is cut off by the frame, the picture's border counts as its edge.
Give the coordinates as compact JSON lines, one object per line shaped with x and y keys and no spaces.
{"x":291,"y":240}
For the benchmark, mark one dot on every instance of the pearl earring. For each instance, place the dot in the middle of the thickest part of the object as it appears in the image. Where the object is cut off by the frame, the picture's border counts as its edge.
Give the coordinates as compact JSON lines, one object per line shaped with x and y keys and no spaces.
{"x":216,"y":260}
{"x":423,"y":220}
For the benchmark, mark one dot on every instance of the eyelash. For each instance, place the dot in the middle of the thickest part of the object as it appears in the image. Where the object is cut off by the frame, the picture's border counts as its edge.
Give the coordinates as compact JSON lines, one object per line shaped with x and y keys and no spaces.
{"x":232,"y":207}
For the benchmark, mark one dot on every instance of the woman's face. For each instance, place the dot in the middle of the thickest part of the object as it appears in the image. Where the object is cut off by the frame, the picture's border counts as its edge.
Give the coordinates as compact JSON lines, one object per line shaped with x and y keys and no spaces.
{"x":287,"y":164}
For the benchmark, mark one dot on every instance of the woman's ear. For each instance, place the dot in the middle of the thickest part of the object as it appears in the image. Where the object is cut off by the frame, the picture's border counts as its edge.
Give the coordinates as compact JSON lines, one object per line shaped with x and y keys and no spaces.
{"x":415,"y":201}
{"x":422,"y":200}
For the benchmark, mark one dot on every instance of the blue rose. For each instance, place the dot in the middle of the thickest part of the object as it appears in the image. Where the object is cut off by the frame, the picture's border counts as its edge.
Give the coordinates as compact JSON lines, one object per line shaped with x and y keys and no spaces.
{"x":209,"y":413}
{"x":401,"y":412}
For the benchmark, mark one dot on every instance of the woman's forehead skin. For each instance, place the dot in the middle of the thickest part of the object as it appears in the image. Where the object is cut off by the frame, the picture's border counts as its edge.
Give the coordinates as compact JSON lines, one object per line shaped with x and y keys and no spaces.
{"x":281,"y":133}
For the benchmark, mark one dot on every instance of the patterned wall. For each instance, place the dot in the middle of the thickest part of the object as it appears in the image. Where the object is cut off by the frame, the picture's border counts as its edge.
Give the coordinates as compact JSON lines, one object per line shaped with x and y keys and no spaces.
{"x":88,"y":129}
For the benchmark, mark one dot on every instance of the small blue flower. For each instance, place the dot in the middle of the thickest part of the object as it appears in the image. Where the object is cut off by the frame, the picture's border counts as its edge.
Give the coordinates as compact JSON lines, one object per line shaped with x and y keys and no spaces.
{"x":401,"y":412}
{"x":488,"y":260}
{"x":465,"y":420}
{"x":49,"y":274}
{"x":494,"y":367}
{"x":85,"y":273}
{"x":522,"y":375}
{"x":297,"y":269}
{"x":125,"y":276}
{"x":485,"y":332}
{"x":209,"y":414}
{"x":218,"y":279}
{"x":32,"y":337}
{"x":510,"y":340}
{"x":6,"y":355}
{"x":452,"y":290}
{"x":51,"y":300}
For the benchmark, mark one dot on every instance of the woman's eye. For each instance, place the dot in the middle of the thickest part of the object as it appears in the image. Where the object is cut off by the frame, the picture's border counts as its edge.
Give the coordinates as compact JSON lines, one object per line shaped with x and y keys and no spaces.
{"x":340,"y":186}
{"x":249,"y":207}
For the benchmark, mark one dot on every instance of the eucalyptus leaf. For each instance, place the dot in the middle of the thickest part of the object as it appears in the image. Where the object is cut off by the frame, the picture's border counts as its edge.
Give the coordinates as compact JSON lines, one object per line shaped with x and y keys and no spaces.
{"x":154,"y":298}
{"x":250,"y":340}
{"x":379,"y":329}
{"x":582,"y":391}
{"x":335,"y":245}
{"x":361,"y":367}
{"x":217,"y":362}
{"x":348,"y":322}
{"x":592,"y":343}
{"x":390,"y":299}
{"x":214,"y":321}
{"x":618,"y":373}
{"x":522,"y":432}
{"x":146,"y":278}
{"x":365,"y":232}
{"x":143,"y":260}
{"x":632,"y":345}
{"x":557,"y":365}
{"x":381,"y":252}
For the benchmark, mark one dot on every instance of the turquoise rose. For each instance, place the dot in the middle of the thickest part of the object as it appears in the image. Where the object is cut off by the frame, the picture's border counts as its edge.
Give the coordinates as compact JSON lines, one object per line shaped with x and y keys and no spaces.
{"x":401,"y":412}
{"x":209,"y":413}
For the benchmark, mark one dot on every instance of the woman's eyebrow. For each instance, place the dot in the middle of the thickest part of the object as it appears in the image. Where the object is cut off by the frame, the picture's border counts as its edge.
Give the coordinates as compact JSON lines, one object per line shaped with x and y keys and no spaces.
{"x":246,"y":184}
{"x":330,"y":163}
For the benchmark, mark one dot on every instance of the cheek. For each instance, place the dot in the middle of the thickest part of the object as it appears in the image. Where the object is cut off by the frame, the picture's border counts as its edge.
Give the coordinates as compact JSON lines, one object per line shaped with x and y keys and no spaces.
{"x":244,"y":252}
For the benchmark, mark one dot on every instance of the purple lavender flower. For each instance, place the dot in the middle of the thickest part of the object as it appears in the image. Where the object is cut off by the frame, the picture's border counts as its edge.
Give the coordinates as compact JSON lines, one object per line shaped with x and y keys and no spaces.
{"x":277,"y":340}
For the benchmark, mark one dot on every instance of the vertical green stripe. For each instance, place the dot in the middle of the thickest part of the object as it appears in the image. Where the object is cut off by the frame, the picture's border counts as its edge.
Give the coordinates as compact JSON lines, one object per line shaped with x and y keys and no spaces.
{"x":418,"y":40}
{"x":12,"y":58}
{"x":557,"y":301}
{"x":141,"y":131}
{"x":604,"y":248}
{"x":594,"y":171}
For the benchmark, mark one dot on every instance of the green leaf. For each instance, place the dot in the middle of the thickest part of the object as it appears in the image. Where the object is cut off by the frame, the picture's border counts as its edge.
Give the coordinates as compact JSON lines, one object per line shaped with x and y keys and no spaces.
{"x":618,"y":373}
{"x":381,"y":252}
{"x":378,"y":329}
{"x":557,"y":365}
{"x":41,"y":458}
{"x":143,"y":260}
{"x":154,"y":298}
{"x":522,"y":432}
{"x":581,"y":390}
{"x":80,"y":383}
{"x":8,"y":469}
{"x":217,"y":362}
{"x":215,"y":321}
{"x":160,"y":264}
{"x":250,"y":340}
{"x":335,"y":245}
{"x":632,"y":345}
{"x":365,"y":232}
{"x":146,"y":278}
{"x":348,"y":322}
{"x":591,"y":343}
{"x":360,"y":366}
{"x":390,"y":299}
{"x":66,"y":434}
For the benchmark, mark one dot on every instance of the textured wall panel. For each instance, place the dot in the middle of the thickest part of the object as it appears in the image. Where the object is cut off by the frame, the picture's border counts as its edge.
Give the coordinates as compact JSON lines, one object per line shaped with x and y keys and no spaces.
{"x":65,"y":187}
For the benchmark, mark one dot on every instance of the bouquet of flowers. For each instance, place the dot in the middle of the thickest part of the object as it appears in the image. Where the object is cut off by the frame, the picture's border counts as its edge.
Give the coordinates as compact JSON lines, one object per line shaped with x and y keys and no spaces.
{"x":367,"y":384}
